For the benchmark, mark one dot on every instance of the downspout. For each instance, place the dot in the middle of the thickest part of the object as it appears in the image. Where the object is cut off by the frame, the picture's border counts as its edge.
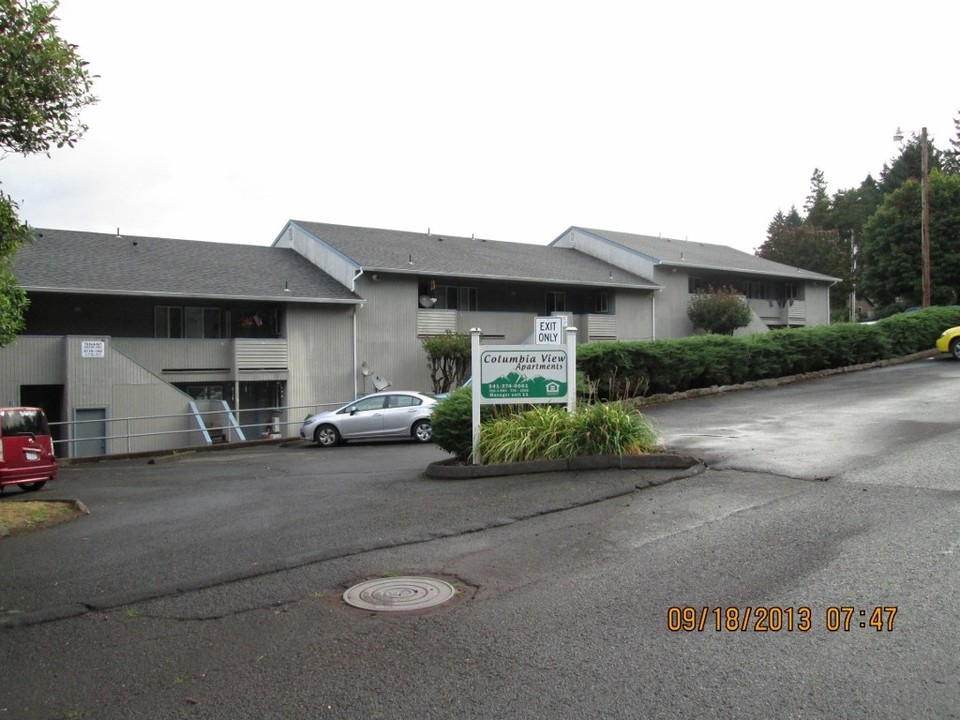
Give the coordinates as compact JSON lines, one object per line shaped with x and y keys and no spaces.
{"x":653,"y":313}
{"x":829,"y":310}
{"x":356,"y":311}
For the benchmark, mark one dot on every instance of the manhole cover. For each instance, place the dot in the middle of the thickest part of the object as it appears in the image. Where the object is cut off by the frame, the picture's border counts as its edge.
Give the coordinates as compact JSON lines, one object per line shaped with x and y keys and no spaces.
{"x":399,"y":593}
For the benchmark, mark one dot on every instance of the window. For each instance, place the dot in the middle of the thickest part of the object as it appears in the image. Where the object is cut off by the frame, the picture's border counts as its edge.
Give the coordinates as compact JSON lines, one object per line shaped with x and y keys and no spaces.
{"x":556,"y":301}
{"x":192,"y":322}
{"x":600,"y":303}
{"x":365,"y":405}
{"x":202,"y":322}
{"x":758,"y":291}
{"x":694,"y":285}
{"x":167,"y":322}
{"x":397,"y":401}
{"x":792,"y":292}
{"x":450,"y":297}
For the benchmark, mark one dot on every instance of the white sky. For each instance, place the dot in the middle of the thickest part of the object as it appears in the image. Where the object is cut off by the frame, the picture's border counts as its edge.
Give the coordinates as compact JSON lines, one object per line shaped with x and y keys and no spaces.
{"x":220,"y":120}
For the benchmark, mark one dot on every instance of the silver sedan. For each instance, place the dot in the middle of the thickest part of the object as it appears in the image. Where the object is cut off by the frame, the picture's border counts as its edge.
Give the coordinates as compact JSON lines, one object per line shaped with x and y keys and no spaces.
{"x":393,"y":414}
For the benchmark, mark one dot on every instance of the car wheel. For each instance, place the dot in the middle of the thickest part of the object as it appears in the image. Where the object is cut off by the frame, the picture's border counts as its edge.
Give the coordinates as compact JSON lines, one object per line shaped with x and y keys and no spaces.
{"x":955,"y":349}
{"x":30,"y":487}
{"x":422,"y":431}
{"x":327,"y":436}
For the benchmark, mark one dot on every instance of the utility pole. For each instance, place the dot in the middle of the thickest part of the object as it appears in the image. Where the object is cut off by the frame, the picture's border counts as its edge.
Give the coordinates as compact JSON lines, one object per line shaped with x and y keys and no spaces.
{"x":925,"y":214}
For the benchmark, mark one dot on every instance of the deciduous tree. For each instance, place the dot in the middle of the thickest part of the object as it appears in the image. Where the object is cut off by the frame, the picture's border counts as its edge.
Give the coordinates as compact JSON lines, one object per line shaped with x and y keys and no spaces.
{"x":44,"y":84}
{"x":448,"y":358}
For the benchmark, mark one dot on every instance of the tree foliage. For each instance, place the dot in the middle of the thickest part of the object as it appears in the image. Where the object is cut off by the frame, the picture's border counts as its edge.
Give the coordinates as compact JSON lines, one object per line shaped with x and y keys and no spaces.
{"x":951,"y":158}
{"x":448,"y":358}
{"x":719,"y":311}
{"x":44,"y":84}
{"x":909,"y":164}
{"x":891,"y":245}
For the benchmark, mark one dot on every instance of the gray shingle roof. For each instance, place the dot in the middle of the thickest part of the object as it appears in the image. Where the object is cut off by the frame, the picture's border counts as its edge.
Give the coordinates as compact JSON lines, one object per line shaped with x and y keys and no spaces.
{"x":685,"y":253}
{"x":409,"y":252}
{"x":70,"y":261}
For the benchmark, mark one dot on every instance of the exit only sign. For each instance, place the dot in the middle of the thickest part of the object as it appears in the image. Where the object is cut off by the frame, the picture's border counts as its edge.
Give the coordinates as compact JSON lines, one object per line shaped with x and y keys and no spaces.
{"x":549,"y":330}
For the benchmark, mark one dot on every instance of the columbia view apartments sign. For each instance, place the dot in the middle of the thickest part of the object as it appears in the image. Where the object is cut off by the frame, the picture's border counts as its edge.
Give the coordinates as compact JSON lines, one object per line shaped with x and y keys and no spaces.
{"x":520,"y":374}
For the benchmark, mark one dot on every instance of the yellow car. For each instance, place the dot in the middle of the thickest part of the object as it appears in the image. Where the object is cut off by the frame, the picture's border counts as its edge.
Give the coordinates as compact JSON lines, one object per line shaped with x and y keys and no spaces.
{"x":950,"y":342}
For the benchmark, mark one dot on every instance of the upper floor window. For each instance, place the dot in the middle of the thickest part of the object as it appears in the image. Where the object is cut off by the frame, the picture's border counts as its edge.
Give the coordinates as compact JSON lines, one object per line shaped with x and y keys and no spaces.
{"x":556,"y":301}
{"x":450,"y":297}
{"x":170,"y":321}
{"x":167,"y":322}
{"x":757,"y":291}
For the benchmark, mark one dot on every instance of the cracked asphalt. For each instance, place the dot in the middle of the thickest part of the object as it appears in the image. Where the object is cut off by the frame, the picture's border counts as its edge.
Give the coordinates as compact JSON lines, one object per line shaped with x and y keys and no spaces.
{"x":203,"y":520}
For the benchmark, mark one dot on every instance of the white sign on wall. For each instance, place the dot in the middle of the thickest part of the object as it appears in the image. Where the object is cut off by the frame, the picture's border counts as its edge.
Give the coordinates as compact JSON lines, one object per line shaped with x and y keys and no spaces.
{"x":93,"y":348}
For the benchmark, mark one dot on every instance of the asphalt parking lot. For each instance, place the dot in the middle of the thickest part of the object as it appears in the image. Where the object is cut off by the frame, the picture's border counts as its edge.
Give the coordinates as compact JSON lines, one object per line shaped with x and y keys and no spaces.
{"x":161,"y":528}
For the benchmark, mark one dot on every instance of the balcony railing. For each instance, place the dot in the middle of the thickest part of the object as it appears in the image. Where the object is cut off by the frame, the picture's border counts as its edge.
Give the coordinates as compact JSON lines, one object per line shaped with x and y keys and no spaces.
{"x":177,"y":356}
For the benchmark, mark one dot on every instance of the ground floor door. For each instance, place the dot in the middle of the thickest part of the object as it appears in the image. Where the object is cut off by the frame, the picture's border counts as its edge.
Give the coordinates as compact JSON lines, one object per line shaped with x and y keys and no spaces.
{"x":89,"y":432}
{"x":50,"y":398}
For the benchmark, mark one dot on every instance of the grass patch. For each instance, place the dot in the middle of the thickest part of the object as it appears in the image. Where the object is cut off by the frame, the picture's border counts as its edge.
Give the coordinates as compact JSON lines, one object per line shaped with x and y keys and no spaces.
{"x":548,"y":433}
{"x":26,"y":515}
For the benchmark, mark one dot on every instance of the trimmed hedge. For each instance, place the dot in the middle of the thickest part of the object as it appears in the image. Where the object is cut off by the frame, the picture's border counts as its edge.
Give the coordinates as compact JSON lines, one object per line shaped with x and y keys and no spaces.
{"x":632,"y":369}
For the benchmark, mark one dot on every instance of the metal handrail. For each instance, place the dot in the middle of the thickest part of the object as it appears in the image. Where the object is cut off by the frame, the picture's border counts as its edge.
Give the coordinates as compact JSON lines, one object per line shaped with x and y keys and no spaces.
{"x":128,"y":435}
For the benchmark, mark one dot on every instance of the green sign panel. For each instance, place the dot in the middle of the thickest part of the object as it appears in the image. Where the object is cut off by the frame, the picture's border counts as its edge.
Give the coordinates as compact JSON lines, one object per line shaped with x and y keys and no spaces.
{"x":524,"y":373}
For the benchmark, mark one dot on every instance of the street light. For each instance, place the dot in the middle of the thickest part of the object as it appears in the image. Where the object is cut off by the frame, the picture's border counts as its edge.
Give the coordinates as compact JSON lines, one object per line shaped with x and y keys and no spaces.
{"x":924,"y":211}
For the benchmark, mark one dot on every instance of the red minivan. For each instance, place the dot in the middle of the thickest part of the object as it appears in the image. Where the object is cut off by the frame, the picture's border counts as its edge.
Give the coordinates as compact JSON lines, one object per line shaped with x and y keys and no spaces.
{"x":26,"y":448}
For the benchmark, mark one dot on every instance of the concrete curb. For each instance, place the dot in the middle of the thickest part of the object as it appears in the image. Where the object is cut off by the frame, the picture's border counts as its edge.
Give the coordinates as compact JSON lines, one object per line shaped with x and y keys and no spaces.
{"x":455,"y":470}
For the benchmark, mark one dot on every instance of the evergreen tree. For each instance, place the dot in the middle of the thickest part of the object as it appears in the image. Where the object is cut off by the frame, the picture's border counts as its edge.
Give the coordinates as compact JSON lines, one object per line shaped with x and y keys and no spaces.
{"x":817,"y":205}
{"x":891,"y":245}
{"x":908,"y":164}
{"x":951,"y":157}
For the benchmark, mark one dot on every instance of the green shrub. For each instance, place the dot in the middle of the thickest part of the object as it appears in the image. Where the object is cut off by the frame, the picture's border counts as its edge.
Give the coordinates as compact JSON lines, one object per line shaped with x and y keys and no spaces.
{"x":452,"y":421}
{"x":915,"y":331}
{"x":719,"y":311}
{"x":632,"y":369}
{"x":548,"y":432}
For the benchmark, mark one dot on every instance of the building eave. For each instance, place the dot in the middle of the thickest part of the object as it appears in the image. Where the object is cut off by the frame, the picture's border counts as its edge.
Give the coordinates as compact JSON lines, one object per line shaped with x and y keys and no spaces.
{"x":196,"y":296}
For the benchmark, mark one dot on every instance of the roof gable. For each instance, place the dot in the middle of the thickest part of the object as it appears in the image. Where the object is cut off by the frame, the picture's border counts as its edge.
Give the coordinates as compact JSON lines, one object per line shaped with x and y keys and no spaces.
{"x":686,"y":253}
{"x":445,"y":255}
{"x":71,"y":261}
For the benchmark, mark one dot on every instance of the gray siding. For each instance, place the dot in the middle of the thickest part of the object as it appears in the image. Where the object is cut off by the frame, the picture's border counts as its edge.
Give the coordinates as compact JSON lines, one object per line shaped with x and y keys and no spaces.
{"x":634,"y":313}
{"x":672,"y":320}
{"x":817,"y":299}
{"x":30,"y":361}
{"x":320,"y":349}
{"x":387,"y":339}
{"x":126,"y":389}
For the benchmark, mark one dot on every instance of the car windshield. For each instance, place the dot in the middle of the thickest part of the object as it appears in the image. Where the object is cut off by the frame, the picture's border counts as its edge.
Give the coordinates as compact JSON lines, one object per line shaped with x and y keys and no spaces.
{"x":23,"y":422}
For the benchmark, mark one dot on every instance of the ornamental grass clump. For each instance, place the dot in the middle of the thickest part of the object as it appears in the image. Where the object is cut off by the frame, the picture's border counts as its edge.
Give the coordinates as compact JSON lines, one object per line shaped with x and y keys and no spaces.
{"x":549,"y":433}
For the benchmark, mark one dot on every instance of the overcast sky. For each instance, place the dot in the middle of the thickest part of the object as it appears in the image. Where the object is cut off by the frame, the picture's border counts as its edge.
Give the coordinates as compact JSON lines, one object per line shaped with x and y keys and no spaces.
{"x":508,"y":120}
